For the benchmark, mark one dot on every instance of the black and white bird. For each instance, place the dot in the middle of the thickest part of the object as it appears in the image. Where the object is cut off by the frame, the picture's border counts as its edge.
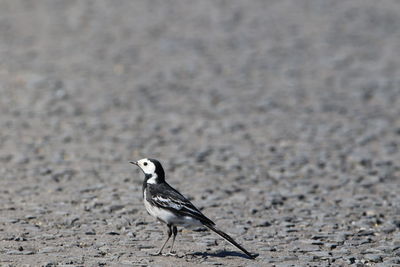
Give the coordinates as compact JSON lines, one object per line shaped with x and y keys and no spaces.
{"x":169,"y":206}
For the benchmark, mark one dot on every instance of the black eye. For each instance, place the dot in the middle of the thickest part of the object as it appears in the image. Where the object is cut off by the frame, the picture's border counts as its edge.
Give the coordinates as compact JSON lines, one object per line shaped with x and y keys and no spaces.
{"x":145,"y":164}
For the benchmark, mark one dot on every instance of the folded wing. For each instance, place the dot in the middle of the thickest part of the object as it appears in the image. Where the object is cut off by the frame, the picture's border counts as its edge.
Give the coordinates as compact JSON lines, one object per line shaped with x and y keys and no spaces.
{"x":173,"y":201}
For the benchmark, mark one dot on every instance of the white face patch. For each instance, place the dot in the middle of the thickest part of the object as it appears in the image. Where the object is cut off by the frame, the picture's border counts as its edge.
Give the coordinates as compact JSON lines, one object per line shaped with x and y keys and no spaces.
{"x":147,"y":166}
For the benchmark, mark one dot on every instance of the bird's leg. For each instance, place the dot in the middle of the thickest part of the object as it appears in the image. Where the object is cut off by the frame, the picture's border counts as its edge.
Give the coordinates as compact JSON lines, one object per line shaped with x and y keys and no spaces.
{"x":175,"y":232}
{"x":169,"y":232}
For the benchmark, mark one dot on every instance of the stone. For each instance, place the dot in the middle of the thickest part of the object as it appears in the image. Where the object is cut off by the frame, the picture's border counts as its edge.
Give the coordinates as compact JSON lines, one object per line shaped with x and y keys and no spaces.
{"x":48,"y":250}
{"x":373,"y":257}
{"x":321,"y":254}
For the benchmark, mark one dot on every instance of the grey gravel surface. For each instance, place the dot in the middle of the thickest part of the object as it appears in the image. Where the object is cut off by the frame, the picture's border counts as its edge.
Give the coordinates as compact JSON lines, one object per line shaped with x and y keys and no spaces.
{"x":279,"y":119}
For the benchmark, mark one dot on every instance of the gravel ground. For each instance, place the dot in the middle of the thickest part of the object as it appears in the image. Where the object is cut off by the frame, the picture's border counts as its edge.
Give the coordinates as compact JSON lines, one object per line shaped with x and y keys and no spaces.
{"x":279,"y":119}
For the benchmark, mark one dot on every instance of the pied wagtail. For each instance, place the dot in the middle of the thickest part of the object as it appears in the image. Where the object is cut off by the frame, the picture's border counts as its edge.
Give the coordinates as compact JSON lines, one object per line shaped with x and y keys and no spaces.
{"x":171,"y":207}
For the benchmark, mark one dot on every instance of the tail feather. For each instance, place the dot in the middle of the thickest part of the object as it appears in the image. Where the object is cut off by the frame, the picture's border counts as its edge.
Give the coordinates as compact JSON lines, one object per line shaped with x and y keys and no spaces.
{"x":229,"y":239}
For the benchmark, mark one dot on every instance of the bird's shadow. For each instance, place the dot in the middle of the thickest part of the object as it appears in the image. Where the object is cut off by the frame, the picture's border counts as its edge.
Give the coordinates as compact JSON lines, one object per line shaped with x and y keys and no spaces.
{"x":221,"y":254}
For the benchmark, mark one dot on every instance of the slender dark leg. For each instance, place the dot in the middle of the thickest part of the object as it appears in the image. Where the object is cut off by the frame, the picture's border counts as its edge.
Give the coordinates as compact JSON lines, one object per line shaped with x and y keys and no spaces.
{"x":175,"y":232}
{"x":169,"y":232}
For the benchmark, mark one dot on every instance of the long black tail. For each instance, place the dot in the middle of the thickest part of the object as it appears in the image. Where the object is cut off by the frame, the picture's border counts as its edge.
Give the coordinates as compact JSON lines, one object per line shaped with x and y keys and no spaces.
{"x":229,"y":239}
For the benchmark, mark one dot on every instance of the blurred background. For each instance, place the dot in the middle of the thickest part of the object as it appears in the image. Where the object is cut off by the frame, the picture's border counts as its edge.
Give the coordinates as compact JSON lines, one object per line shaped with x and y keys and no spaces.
{"x":281,"y":112}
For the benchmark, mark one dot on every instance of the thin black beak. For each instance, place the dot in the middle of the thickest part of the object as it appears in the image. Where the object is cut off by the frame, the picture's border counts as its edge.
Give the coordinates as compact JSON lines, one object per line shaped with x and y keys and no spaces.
{"x":134,"y":163}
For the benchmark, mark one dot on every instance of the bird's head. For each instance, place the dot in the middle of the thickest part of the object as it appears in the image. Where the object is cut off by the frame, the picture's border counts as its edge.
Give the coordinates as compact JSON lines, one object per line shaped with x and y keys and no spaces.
{"x":152,"y":170}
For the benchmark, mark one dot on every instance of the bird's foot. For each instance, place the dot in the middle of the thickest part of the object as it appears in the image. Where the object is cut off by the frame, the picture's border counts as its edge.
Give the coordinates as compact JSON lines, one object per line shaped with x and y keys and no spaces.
{"x":156,"y":254}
